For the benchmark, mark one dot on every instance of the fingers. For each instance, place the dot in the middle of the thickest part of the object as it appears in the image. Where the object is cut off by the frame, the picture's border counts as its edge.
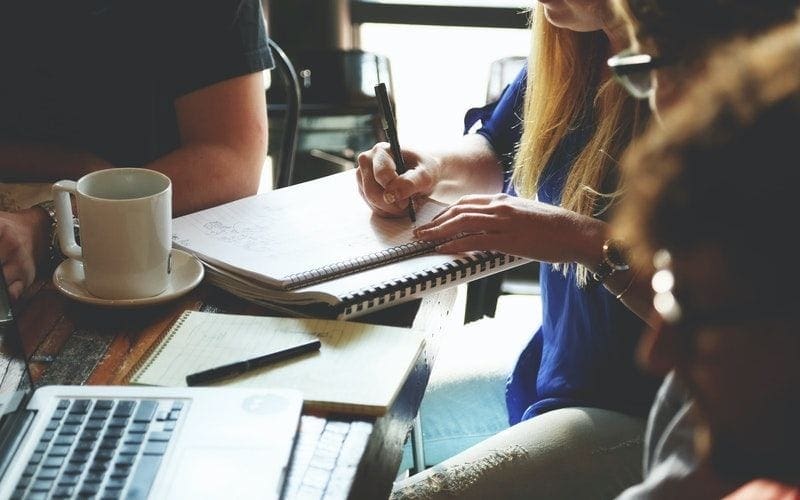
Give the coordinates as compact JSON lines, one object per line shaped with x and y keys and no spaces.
{"x":17,"y":277}
{"x":15,"y":290}
{"x":467,"y":223}
{"x":19,"y":267}
{"x":405,"y":186}
{"x":471,"y":242}
{"x":379,"y":184}
{"x":18,"y":263}
{"x":368,"y":186}
{"x":473,"y":203}
{"x":455,"y":211}
{"x":384,"y":168}
{"x":378,"y":165}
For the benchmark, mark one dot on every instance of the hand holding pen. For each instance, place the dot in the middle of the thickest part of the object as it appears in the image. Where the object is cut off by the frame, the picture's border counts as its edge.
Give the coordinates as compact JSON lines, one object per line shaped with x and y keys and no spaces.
{"x":390,"y":127}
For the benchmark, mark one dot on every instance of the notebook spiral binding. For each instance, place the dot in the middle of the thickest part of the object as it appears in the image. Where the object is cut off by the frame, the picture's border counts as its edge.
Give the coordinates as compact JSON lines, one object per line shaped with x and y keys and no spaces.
{"x":358,"y":264}
{"x":410,"y":285}
{"x":155,"y":349}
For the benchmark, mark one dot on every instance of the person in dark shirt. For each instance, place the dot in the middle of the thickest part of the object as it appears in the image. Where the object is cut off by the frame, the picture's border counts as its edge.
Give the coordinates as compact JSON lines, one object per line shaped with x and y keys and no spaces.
{"x":172,"y":85}
{"x":671,"y":43}
{"x":710,"y":201}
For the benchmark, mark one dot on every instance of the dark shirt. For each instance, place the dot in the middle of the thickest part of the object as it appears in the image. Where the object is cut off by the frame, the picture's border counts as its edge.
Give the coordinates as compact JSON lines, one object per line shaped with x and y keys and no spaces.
{"x":583,"y":354}
{"x":102,"y":75}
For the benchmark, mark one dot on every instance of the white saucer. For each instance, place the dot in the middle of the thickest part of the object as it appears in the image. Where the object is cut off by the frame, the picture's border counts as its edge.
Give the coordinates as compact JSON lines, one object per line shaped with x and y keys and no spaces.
{"x":187,"y":272}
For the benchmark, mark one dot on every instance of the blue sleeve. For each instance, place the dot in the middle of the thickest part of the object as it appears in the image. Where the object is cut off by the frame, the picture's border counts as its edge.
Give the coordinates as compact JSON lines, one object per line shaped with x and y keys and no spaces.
{"x":501,"y":120}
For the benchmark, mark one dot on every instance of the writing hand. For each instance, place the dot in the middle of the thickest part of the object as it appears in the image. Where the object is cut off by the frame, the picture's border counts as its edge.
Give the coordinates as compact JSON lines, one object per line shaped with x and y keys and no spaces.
{"x":386,"y":192}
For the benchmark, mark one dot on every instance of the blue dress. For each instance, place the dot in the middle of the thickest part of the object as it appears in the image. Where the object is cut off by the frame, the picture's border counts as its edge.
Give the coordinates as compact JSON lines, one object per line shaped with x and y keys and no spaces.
{"x":583,"y":354}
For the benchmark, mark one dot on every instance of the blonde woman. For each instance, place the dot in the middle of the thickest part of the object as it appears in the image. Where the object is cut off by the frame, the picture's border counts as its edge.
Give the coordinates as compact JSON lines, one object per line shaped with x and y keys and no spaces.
{"x":575,"y":400}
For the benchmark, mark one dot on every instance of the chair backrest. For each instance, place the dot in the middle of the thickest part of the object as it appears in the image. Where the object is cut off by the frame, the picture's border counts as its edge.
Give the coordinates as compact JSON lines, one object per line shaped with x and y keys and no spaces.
{"x":501,"y":73}
{"x":288,"y":149}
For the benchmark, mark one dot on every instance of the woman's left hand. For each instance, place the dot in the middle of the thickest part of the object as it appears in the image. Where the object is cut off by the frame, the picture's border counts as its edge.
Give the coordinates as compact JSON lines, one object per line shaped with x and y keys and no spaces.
{"x":511,"y":225}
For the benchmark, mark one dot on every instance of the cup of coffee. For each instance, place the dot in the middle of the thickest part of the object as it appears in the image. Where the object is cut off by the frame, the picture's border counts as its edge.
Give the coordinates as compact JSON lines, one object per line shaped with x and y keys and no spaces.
{"x":125,"y":227}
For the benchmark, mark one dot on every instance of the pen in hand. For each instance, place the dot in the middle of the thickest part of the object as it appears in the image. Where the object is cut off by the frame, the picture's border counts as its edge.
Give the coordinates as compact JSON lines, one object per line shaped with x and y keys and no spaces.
{"x":239,"y":367}
{"x":390,"y":127}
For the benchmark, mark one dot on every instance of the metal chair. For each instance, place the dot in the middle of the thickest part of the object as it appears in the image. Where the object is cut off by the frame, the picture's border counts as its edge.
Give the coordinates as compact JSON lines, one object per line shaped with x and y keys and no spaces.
{"x":288,"y":149}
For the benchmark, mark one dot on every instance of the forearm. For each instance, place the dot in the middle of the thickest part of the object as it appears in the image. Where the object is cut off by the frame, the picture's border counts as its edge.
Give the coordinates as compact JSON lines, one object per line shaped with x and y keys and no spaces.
{"x":635,"y":291}
{"x":206,"y":174}
{"x":41,"y":162}
{"x":203,"y":175}
{"x":223,"y":129}
{"x":632,"y":287}
{"x":469,"y":167}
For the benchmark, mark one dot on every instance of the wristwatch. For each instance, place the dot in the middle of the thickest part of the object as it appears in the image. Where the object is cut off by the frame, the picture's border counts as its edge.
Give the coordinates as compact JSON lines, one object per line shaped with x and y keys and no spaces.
{"x":54,"y":251}
{"x":615,"y":259}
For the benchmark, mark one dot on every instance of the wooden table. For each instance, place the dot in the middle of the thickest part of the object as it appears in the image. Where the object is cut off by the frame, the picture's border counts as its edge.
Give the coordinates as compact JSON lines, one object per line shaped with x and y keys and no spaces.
{"x":71,"y":343}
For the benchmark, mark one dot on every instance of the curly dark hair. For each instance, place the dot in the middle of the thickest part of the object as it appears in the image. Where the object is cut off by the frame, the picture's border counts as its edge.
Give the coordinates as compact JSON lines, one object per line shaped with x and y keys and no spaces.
{"x":686,"y":29}
{"x":723,"y":168}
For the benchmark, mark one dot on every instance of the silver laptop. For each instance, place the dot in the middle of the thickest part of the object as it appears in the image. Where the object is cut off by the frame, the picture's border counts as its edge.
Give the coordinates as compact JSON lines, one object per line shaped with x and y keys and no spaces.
{"x":138,"y":442}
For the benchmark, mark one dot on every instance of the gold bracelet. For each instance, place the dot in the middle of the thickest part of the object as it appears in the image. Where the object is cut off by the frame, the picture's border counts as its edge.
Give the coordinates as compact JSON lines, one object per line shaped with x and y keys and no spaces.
{"x":630,"y":284}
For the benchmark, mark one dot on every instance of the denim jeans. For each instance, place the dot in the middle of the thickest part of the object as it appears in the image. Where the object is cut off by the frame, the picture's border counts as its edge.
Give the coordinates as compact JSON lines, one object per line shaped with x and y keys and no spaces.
{"x":571,"y":453}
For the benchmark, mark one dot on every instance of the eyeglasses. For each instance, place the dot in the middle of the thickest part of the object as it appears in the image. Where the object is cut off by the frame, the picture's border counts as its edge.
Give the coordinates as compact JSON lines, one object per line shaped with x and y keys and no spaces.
{"x":632,"y":71}
{"x":683,"y":316}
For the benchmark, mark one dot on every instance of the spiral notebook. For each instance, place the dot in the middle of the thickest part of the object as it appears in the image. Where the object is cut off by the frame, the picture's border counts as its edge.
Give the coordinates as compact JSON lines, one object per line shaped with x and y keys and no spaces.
{"x":316,"y":249}
{"x":359,"y":369}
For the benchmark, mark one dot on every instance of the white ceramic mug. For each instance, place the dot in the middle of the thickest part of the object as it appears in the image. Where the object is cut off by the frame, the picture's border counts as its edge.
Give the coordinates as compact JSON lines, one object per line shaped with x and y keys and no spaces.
{"x":125,"y":219}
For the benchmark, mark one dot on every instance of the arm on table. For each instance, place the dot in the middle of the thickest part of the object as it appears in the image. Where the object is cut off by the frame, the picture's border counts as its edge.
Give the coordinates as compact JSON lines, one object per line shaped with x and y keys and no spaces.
{"x":223,"y":130}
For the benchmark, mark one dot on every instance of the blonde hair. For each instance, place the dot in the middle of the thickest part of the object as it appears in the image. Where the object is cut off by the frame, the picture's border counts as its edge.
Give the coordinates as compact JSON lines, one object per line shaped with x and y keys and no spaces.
{"x":568,"y":86}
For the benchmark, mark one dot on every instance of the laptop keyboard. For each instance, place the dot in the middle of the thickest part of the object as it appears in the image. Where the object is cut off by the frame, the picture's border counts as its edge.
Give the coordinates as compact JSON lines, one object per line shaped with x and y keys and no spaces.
{"x":325,"y":458}
{"x":100,"y":448}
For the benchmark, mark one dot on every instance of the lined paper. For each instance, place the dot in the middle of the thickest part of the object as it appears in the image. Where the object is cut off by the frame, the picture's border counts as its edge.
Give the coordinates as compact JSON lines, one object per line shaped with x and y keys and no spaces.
{"x":359,"y":368}
{"x":274,"y":236}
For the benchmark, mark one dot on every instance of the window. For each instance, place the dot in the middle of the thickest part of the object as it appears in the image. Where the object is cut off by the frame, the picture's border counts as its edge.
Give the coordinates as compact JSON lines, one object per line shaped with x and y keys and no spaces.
{"x":439,"y":72}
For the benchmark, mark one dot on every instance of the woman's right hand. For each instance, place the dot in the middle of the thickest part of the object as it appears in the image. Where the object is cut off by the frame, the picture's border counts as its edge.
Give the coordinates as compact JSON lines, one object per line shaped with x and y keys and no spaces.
{"x":384,"y":190}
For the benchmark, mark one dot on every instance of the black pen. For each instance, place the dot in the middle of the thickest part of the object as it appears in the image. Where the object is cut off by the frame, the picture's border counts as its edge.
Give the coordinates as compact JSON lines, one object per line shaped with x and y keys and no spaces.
{"x":390,"y":127}
{"x":239,"y":367}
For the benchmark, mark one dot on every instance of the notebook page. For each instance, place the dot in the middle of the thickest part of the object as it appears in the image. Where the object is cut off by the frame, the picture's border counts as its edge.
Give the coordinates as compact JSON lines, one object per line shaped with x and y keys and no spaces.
{"x":202,"y":340}
{"x":278,"y":234}
{"x":359,"y":367}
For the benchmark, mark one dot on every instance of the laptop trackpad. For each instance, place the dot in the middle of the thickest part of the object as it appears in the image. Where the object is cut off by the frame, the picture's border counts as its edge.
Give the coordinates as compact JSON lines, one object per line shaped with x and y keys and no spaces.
{"x":212,"y":472}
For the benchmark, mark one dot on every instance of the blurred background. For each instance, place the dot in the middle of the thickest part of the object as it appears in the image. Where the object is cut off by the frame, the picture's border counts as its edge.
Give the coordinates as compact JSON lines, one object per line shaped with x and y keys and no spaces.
{"x":438,"y":58}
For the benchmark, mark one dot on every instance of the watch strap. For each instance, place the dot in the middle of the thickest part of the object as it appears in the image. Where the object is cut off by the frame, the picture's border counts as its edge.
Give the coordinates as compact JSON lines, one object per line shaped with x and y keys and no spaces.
{"x":53,"y":252}
{"x":614,"y":260}
{"x":603,"y":272}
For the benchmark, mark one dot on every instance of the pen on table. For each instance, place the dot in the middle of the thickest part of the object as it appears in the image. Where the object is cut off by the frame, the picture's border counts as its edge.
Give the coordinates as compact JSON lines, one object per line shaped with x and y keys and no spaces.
{"x":390,"y":127}
{"x":239,"y":367}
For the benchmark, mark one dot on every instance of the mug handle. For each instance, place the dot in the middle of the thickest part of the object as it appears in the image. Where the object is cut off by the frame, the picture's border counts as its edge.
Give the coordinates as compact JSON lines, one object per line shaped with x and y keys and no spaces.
{"x":66,"y":228}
